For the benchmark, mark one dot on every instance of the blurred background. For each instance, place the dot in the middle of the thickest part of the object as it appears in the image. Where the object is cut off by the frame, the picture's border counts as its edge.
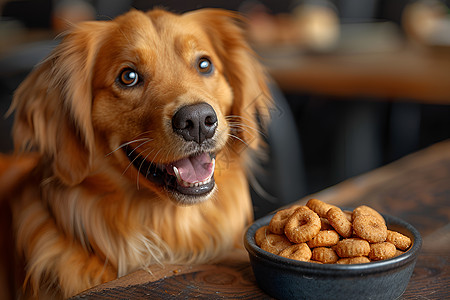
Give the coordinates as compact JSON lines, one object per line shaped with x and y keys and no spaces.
{"x":357,"y":83}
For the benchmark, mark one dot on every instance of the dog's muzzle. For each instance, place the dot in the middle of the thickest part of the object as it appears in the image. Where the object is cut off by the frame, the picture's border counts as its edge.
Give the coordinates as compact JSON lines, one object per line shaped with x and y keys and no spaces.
{"x":192,"y":175}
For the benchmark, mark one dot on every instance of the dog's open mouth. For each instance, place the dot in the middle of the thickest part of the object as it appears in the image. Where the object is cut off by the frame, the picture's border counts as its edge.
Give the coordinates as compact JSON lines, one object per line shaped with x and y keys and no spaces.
{"x":192,"y":175}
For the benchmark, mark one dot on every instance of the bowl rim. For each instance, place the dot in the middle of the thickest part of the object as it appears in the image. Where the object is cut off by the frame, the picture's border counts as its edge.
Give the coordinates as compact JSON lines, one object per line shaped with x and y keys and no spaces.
{"x":372,"y":267}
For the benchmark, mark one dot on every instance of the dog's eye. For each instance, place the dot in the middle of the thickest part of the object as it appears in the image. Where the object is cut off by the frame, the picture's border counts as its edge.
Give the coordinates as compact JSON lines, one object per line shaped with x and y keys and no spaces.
{"x":129,"y":77}
{"x":205,"y":66}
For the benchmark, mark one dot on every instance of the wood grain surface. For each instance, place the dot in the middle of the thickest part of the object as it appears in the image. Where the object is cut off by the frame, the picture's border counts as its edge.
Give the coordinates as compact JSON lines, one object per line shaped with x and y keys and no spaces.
{"x":415,"y":188}
{"x":231,"y":278}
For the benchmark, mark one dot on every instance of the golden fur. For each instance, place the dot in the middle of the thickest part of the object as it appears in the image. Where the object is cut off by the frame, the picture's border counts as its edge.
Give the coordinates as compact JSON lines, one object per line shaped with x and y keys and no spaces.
{"x":84,"y":214}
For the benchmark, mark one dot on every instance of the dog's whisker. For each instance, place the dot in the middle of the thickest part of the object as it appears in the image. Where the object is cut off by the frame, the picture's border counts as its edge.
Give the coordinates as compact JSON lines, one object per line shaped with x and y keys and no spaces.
{"x":248,"y":129}
{"x":240,"y":119}
{"x":233,"y":117}
{"x":167,"y":156}
{"x":140,"y":145}
{"x":134,"y":140}
{"x":131,"y":162}
{"x":147,"y":132}
{"x":236,"y":124}
{"x":145,"y":158}
{"x":239,"y":139}
{"x":236,"y":132}
{"x":129,"y":165}
{"x":126,"y":144}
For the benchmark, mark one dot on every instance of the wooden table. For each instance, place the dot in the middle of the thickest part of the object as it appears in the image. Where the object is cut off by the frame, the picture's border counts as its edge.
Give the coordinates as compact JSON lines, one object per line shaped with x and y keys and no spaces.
{"x":407,"y":73}
{"x":415,"y":188}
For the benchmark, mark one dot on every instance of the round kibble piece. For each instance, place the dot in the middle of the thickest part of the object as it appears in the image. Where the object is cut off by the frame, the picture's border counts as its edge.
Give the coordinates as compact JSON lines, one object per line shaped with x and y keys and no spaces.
{"x":275,"y":243}
{"x":298,"y":252}
{"x":279,"y":220}
{"x":261,"y":234}
{"x":399,"y":240}
{"x":380,"y":251}
{"x":370,"y":228}
{"x":339,"y":221}
{"x":366,"y":210}
{"x":324,"y":255}
{"x":302,"y":226}
{"x":325,"y":238}
{"x":352,"y":247}
{"x":319,"y":207}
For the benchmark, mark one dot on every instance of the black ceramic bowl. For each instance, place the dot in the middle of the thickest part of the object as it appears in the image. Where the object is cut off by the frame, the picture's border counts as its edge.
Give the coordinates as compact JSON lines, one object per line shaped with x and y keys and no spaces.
{"x":285,"y":278}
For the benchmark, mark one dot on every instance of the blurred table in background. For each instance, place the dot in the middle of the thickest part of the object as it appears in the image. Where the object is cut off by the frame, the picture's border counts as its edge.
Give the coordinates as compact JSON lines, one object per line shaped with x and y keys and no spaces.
{"x":373,"y":58}
{"x":377,"y":91}
{"x":415,"y":188}
{"x":408,"y":73}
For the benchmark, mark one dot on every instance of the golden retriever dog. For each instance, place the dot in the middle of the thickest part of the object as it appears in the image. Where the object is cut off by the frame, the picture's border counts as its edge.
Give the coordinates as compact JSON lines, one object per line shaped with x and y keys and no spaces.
{"x":143,"y":128}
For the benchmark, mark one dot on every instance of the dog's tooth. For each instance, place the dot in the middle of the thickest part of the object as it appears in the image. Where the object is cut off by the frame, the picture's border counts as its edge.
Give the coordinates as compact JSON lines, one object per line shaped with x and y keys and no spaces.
{"x":207,"y":180}
{"x":195,"y":184}
{"x":213,"y":168}
{"x":177,"y":173}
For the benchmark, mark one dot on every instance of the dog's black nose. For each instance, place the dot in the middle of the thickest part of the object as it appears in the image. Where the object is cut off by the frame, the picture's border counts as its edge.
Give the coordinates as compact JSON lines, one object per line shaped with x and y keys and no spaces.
{"x":196,"y":122}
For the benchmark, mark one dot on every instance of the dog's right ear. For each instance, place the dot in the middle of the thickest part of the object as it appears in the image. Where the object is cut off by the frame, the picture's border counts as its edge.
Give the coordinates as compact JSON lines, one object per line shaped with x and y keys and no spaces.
{"x":53,"y":105}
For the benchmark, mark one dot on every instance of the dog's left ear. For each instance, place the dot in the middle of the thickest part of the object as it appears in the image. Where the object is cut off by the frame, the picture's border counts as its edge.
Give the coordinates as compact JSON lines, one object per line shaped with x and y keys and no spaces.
{"x":244,"y":73}
{"x":53,"y":105}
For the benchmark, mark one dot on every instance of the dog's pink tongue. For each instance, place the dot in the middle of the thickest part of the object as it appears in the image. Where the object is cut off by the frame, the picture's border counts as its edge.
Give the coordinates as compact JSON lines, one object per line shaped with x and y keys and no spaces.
{"x":195,"y":168}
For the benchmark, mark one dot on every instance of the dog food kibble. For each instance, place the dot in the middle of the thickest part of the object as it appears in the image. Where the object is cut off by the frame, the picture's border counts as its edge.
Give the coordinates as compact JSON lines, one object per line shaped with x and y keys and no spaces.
{"x":399,"y":240}
{"x":302,"y":225}
{"x":319,"y":207}
{"x":298,"y":251}
{"x":324,"y":255}
{"x":279,"y":220}
{"x":339,"y":221}
{"x":325,"y":238}
{"x":383,"y":250}
{"x":275,"y":243}
{"x":323,"y":233}
{"x":370,"y":228}
{"x":353,"y":247}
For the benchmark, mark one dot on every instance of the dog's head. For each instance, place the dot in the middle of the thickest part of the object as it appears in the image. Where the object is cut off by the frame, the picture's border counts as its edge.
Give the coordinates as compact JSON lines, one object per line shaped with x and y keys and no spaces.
{"x":156,"y":95}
